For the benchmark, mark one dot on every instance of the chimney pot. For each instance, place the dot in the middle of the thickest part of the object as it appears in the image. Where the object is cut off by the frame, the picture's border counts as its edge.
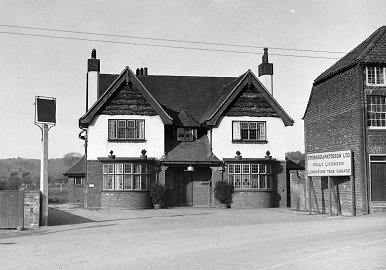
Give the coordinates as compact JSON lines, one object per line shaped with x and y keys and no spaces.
{"x":137,"y":72}
{"x":141,"y":72}
{"x":145,"y":71}
{"x":93,"y":54}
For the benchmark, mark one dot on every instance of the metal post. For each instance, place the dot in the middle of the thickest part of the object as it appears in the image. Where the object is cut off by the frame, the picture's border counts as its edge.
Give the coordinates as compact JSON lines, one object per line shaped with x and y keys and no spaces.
{"x":44,"y":177}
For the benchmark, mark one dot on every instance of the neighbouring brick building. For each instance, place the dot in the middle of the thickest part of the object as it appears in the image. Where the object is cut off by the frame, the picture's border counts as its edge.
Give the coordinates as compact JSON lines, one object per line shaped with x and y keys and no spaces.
{"x":347,"y":111}
{"x":185,"y":132}
{"x":75,"y":183}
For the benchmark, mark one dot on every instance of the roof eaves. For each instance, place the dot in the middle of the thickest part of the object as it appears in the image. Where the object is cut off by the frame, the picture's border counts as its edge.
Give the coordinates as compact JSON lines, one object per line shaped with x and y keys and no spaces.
{"x":124,"y":76}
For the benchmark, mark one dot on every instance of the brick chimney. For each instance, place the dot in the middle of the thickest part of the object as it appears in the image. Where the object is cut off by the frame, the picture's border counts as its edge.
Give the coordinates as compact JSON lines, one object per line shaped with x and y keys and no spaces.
{"x":93,"y":69}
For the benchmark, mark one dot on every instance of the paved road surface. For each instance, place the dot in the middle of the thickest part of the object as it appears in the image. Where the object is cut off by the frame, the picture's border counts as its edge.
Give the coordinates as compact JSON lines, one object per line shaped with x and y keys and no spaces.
{"x":197,"y":238}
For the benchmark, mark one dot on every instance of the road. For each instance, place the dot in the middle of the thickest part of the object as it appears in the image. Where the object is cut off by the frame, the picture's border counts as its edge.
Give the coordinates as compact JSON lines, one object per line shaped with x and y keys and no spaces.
{"x":197,"y":238}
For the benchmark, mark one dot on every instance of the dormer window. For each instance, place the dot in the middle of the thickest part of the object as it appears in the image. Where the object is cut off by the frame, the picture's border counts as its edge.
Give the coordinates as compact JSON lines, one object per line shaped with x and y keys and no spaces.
{"x":186,"y":134}
{"x":375,"y":76}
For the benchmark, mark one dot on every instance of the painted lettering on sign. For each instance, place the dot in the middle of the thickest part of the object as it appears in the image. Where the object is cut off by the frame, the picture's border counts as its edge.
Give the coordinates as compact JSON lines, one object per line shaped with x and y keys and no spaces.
{"x":330,"y":164}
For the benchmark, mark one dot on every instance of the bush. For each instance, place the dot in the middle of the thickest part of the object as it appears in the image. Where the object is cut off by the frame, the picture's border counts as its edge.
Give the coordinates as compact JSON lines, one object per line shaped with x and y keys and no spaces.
{"x":157,"y":193}
{"x":223,"y":192}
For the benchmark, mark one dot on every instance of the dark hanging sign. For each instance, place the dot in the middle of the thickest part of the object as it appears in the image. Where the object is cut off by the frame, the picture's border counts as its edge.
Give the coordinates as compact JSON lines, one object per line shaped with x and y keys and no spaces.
{"x":45,"y":110}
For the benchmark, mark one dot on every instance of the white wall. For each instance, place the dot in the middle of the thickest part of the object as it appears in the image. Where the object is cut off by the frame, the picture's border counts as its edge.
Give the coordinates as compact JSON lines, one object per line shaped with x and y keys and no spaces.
{"x":99,"y":146}
{"x":224,"y":148}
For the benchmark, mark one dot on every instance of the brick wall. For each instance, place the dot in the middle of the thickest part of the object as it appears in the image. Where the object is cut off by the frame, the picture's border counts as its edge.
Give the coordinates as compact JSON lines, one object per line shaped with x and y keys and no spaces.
{"x":333,"y":122}
{"x":75,"y":192}
{"x":255,"y":199}
{"x":126,"y":199}
{"x":31,"y":209}
{"x":95,"y":179}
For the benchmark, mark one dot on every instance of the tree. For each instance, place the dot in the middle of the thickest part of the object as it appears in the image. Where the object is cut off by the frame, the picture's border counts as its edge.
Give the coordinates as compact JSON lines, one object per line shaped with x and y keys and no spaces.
{"x":71,"y":158}
{"x":296,"y":156}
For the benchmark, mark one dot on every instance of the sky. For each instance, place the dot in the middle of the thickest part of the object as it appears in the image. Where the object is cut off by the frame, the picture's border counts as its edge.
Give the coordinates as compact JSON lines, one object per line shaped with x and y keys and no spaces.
{"x":33,"y":65}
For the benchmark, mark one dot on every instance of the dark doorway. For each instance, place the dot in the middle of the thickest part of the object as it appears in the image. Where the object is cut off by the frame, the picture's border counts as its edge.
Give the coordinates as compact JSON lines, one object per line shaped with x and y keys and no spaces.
{"x":184,"y":182}
{"x":378,"y":181}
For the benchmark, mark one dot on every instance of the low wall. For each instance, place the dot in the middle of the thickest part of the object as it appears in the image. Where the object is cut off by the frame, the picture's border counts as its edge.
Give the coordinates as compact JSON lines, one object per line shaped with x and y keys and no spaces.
{"x":125,"y":199}
{"x":255,"y":199}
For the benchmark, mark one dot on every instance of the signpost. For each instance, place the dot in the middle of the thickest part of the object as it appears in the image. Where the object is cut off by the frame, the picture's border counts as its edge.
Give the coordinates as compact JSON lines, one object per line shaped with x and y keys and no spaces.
{"x":331,"y":164}
{"x":45,"y":118}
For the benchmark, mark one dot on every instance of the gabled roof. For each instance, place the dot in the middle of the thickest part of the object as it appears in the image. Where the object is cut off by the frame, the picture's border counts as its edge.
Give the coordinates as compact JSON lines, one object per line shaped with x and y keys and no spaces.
{"x":78,"y":169}
{"x":230,"y":93}
{"x":126,"y":76}
{"x":370,"y":51}
{"x":184,"y":100}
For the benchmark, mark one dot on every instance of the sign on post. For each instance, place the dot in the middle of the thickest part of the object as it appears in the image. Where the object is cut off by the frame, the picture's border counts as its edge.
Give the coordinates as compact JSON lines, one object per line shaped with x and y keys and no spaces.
{"x":45,"y":112}
{"x":45,"y":115}
{"x":330,"y":164}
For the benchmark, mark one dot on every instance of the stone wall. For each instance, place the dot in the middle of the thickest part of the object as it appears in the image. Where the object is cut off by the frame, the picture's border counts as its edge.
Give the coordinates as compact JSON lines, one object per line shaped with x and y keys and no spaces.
{"x":31,"y":209}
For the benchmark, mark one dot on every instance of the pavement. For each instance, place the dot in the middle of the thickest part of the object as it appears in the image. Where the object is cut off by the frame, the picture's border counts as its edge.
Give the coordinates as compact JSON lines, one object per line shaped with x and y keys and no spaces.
{"x":196,"y":238}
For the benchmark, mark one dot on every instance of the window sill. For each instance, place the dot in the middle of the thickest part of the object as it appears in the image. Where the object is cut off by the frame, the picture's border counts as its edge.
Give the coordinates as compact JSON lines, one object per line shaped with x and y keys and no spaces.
{"x":124,"y":190}
{"x":254,"y":190}
{"x":249,"y":142}
{"x":382,"y":129}
{"x":126,"y":141}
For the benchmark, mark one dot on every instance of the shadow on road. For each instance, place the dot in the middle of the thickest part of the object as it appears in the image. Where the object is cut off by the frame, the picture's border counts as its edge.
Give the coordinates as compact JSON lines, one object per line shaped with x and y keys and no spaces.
{"x":60,"y":217}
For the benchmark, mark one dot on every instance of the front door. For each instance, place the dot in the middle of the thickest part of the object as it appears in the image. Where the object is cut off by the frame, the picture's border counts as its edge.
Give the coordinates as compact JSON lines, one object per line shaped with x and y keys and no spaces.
{"x":184,"y":182}
{"x":378,"y":181}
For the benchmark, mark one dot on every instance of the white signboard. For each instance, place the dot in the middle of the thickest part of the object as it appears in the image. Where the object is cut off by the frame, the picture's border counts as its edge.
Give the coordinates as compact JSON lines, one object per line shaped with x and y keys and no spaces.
{"x":330,"y":164}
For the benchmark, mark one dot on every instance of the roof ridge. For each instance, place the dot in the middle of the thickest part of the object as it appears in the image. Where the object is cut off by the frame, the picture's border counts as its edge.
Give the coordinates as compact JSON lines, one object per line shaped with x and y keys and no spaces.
{"x":377,"y":36}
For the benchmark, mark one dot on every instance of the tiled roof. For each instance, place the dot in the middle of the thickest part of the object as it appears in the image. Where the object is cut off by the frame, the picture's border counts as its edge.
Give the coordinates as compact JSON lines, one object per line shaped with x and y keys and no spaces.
{"x":184,"y":100}
{"x":370,"y":51}
{"x":79,"y":168}
{"x":190,"y":152}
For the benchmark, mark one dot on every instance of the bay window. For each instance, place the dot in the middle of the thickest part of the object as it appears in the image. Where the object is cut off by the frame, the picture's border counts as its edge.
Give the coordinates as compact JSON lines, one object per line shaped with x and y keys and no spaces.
{"x":126,"y":176}
{"x":250,"y":176}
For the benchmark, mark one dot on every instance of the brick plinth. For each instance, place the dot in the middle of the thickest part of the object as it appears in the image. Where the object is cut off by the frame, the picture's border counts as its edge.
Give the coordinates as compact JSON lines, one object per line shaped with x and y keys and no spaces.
{"x":255,"y":199}
{"x":125,"y":199}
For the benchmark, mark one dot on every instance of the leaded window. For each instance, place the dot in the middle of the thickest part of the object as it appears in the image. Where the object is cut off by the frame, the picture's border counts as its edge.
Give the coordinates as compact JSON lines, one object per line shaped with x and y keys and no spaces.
{"x":376,"y":111}
{"x":245,"y":176}
{"x":126,"y":176}
{"x":248,"y":131}
{"x":131,"y":129}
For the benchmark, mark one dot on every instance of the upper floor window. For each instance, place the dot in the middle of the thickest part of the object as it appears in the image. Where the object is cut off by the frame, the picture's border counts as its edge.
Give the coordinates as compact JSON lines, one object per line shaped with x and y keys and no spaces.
{"x":126,"y":129}
{"x":250,"y":176}
{"x":248,"y":131}
{"x":376,"y":111}
{"x":126,"y":176}
{"x":78,"y":181}
{"x":186,"y":134}
{"x":375,"y":76}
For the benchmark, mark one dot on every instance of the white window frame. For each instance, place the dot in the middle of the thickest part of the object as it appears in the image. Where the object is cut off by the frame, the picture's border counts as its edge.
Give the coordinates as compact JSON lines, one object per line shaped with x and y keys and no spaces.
{"x":186,"y":134}
{"x":242,"y":178}
{"x":78,"y":178}
{"x":259,"y":127}
{"x":121,"y":172}
{"x":376,"y":75}
{"x":126,"y":129}
{"x":376,"y":112}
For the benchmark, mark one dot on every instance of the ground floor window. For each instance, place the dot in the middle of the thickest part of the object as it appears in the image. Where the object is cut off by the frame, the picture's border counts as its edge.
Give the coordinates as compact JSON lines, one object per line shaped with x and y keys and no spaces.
{"x":245,"y":176}
{"x":78,"y":181}
{"x":126,"y":176}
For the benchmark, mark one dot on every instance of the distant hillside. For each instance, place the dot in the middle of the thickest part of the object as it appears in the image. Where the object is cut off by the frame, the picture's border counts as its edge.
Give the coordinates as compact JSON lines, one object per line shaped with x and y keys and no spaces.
{"x":30,"y":168}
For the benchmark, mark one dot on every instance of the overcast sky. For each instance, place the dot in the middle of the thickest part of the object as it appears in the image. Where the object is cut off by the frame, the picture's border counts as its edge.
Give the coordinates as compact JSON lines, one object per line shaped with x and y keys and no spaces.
{"x":39,"y":66}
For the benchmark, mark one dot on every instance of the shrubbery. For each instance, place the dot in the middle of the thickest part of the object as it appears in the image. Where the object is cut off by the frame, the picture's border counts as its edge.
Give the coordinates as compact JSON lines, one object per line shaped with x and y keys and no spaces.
{"x":157,"y":193}
{"x":223,"y":191}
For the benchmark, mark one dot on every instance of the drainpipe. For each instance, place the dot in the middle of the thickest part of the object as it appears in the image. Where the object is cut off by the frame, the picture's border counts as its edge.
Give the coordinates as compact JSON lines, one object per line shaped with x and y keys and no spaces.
{"x":363,"y":144}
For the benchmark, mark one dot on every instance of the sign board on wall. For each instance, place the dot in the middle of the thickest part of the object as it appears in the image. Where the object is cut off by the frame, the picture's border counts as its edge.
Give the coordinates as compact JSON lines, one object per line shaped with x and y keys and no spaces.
{"x":330,"y":164}
{"x":45,"y":112}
